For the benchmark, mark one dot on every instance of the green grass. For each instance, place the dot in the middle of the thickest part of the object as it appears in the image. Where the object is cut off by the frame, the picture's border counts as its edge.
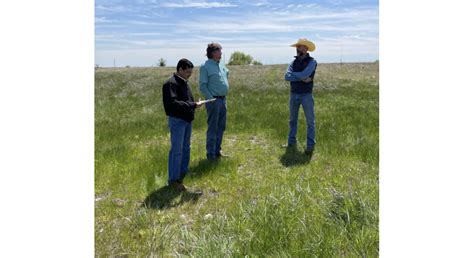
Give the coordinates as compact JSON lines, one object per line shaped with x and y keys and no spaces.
{"x":263,"y":200}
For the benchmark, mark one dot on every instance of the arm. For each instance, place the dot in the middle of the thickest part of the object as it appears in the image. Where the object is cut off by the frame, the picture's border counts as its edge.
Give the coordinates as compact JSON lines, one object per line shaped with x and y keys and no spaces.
{"x":171,"y":98}
{"x":307,"y":71}
{"x":298,"y":76}
{"x":203,"y":82}
{"x":289,"y":74}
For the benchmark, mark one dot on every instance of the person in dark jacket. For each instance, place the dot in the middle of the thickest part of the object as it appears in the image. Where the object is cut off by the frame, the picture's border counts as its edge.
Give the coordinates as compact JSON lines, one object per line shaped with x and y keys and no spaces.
{"x":179,"y":106}
{"x":301,"y":73}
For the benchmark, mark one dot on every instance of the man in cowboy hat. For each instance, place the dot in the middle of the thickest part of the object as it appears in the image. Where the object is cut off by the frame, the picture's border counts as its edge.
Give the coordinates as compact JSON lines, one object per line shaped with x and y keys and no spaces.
{"x":213,"y":84}
{"x":300,"y":73}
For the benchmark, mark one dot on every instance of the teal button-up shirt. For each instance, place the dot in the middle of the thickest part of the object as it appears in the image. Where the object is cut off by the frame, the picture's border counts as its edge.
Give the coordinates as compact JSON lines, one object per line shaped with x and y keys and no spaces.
{"x":213,"y":79}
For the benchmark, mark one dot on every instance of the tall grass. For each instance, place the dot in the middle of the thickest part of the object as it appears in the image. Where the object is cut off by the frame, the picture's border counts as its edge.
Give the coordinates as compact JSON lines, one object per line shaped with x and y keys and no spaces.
{"x":263,"y":200}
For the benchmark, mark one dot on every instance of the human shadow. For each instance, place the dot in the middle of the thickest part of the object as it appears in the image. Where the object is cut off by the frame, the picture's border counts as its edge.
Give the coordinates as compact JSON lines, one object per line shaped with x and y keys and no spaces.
{"x":167,"y":197}
{"x":204,"y":167}
{"x":294,"y":157}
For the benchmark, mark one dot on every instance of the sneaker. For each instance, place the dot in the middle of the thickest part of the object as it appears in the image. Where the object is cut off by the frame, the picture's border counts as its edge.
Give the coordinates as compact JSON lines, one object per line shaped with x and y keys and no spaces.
{"x":309,"y":151}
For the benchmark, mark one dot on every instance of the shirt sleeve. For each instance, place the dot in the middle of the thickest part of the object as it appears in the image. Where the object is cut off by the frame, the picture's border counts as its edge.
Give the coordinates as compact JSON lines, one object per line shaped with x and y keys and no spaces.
{"x":298,"y":76}
{"x":289,"y":74}
{"x":203,"y":82}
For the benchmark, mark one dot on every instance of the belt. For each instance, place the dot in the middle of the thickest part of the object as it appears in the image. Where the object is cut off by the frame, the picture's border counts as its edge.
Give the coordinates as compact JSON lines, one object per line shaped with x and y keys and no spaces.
{"x":219,"y":97}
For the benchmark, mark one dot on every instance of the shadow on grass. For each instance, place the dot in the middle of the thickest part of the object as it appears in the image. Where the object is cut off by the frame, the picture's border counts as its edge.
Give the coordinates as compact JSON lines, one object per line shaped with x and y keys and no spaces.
{"x":294,"y":157}
{"x":167,"y":197}
{"x":203,"y":167}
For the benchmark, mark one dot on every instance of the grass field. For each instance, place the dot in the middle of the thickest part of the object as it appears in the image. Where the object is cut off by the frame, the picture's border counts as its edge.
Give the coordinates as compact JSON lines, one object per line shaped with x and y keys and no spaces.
{"x":262,"y":200}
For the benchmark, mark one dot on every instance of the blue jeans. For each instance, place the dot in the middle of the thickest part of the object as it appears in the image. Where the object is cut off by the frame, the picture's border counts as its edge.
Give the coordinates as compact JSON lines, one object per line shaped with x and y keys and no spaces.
{"x":178,"y":160}
{"x":216,"y":120}
{"x":307,"y":101}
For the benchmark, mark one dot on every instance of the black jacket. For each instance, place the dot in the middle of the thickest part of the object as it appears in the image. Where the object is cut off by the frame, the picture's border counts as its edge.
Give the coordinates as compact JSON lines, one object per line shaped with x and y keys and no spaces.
{"x":178,"y":99}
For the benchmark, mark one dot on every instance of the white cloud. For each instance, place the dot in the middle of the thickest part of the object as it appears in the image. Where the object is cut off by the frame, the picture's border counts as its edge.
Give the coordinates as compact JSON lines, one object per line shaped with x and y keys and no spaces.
{"x":125,"y":43}
{"x":268,"y":50}
{"x":258,"y":4}
{"x":359,"y":15}
{"x":268,"y":54}
{"x":255,"y":3}
{"x":196,"y":4}
{"x":105,"y":36}
{"x":111,"y":9}
{"x":265,"y":34}
{"x":102,"y":20}
{"x":230,"y":28}
{"x":109,"y":25}
{"x":147,"y":34}
{"x":148,"y":23}
{"x":317,"y":19}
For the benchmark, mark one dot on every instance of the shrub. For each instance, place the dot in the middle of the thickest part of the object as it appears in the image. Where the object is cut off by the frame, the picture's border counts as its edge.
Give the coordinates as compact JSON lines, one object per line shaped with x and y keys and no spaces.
{"x":162,"y":62}
{"x":240,"y":58}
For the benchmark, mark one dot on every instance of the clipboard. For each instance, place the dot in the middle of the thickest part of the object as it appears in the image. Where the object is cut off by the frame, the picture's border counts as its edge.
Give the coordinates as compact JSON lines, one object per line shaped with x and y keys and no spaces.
{"x":208,"y":100}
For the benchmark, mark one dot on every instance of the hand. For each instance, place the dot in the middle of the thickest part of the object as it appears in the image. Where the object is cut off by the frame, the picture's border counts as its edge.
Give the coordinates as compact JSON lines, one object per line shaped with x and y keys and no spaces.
{"x":199,"y":103}
{"x":307,"y":79}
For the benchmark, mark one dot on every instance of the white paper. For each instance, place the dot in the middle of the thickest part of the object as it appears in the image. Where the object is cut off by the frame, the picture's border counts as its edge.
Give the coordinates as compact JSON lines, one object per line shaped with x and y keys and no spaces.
{"x":208,"y":100}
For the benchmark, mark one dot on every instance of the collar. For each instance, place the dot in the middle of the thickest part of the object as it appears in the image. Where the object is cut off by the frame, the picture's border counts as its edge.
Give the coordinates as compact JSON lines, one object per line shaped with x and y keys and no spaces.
{"x":306,"y":56}
{"x":176,"y":74}
{"x":214,"y":61}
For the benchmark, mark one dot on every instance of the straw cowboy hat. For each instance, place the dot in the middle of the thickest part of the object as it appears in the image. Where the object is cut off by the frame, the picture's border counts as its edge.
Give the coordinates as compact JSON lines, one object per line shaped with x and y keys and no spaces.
{"x":303,"y":41}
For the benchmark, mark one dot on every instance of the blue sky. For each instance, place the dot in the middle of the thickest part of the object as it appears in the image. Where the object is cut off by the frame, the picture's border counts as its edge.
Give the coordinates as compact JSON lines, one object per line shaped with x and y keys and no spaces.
{"x":140,"y":32}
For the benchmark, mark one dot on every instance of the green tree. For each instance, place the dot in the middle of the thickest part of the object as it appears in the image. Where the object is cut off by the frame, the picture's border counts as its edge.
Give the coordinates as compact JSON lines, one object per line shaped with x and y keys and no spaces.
{"x":255,"y":62}
{"x":240,"y":58}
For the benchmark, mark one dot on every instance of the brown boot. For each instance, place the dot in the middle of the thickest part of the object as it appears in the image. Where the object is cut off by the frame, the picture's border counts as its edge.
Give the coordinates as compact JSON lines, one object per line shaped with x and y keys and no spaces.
{"x":178,"y":186}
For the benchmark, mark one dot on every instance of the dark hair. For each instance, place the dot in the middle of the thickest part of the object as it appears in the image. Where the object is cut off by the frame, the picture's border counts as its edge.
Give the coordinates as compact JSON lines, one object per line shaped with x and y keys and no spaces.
{"x":184,"y":64}
{"x":211,"y":47}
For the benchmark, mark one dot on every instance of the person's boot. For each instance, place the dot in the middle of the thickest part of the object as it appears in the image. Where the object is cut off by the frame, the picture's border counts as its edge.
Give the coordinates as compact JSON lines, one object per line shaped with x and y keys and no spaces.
{"x":222,"y":155}
{"x":178,"y":186}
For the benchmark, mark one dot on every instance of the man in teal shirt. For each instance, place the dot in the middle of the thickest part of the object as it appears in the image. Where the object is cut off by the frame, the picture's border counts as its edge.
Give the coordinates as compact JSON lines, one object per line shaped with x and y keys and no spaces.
{"x":213,"y":83}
